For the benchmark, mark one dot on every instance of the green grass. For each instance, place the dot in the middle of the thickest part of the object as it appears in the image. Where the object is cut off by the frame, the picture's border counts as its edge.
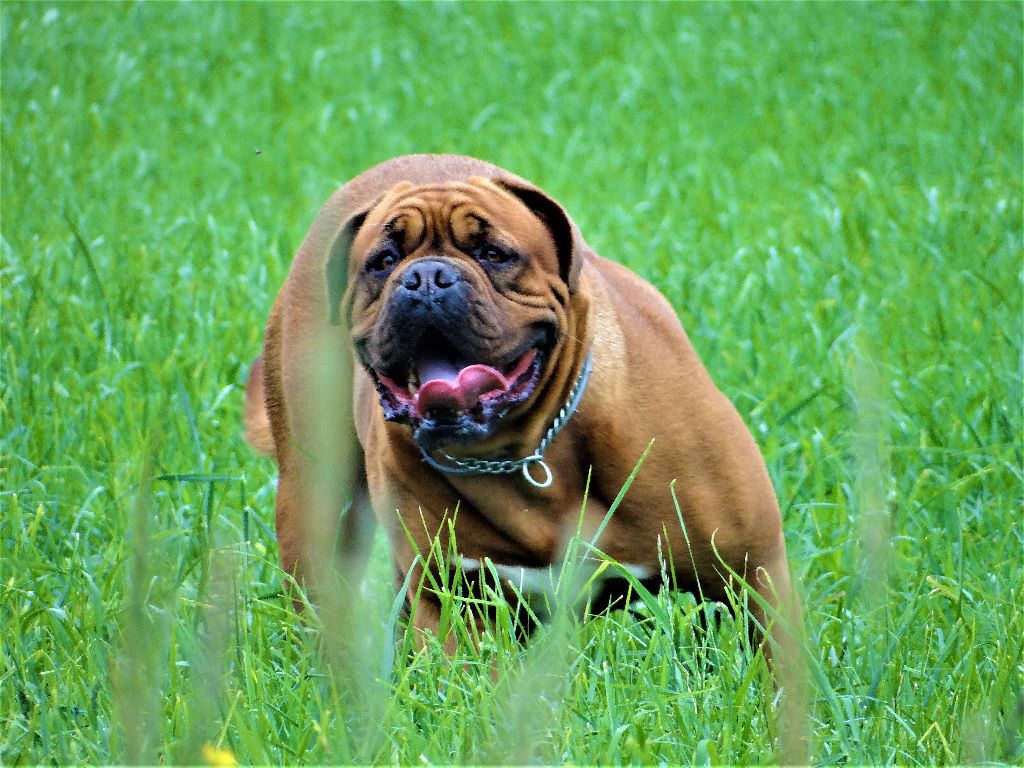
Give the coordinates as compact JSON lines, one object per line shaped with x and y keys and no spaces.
{"x":830,"y":194}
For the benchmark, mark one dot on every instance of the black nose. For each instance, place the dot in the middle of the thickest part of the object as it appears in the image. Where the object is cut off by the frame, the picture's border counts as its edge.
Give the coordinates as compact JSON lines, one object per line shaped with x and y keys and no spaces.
{"x":429,"y":275}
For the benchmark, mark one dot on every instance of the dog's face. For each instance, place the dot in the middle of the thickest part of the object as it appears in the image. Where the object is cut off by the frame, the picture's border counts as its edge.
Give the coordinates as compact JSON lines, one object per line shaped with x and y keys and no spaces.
{"x":457,"y":300}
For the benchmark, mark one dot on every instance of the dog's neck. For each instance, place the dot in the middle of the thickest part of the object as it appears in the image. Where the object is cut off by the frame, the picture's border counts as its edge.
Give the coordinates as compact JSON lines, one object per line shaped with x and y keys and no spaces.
{"x":532,"y":465}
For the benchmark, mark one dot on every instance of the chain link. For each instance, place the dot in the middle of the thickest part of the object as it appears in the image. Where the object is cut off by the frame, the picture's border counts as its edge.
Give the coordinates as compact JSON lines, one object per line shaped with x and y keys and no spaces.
{"x":470,"y":466}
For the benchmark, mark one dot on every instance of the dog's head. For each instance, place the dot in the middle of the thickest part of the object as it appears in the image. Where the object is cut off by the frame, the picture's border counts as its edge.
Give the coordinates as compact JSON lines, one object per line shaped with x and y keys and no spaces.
{"x":457,"y":300}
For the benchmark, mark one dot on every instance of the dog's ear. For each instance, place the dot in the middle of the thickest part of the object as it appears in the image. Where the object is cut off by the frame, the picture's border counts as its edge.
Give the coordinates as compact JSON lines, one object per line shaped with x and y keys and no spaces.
{"x":567,"y":237}
{"x":336,"y":269}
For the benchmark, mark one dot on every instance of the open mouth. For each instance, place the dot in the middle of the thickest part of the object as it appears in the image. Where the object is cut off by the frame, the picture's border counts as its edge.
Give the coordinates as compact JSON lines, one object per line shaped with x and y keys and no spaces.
{"x":448,"y":398}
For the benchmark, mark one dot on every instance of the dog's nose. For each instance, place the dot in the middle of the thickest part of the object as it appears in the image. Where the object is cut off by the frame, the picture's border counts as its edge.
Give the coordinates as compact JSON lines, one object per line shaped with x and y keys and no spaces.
{"x":429,"y":275}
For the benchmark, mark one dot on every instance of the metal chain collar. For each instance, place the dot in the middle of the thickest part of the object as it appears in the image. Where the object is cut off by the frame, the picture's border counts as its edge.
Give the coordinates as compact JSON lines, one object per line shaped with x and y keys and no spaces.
{"x":508,"y":466}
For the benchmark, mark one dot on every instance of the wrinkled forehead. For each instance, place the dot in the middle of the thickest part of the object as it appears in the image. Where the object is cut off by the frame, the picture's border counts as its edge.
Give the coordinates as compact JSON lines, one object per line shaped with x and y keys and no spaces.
{"x":461,"y":213}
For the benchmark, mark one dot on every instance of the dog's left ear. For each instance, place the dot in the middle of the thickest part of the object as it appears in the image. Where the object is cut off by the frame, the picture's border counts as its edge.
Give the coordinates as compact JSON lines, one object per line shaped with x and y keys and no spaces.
{"x":567,"y":237}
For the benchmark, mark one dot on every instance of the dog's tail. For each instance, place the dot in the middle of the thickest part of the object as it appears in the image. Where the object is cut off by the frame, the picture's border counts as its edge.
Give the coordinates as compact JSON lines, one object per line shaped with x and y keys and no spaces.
{"x":256,"y":420}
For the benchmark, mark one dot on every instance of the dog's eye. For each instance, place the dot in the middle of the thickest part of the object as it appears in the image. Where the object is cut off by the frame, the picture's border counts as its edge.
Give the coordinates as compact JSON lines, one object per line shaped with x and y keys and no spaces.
{"x":491,"y":254}
{"x":383,"y":261}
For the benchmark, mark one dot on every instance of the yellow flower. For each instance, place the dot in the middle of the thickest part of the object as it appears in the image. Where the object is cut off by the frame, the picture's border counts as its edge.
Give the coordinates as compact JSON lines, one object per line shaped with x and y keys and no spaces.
{"x":218,"y":755}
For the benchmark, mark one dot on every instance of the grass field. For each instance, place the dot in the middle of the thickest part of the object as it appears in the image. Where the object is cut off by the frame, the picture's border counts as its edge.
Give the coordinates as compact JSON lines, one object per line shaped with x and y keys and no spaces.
{"x":830,"y":194}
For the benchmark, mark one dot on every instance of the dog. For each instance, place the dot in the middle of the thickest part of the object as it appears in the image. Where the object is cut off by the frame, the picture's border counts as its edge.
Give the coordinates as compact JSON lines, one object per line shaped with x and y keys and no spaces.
{"x":508,"y":381}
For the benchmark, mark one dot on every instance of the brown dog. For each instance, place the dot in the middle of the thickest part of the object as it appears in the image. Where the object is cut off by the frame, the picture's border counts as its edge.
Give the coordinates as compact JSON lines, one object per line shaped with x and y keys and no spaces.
{"x":510,"y":372}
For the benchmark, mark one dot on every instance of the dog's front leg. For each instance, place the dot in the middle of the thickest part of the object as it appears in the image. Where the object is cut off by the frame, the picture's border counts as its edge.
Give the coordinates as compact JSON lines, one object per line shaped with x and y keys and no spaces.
{"x":324,"y":521}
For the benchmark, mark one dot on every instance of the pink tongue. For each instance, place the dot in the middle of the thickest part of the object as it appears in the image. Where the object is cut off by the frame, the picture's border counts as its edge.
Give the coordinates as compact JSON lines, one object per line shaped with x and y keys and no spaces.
{"x":457,"y":390}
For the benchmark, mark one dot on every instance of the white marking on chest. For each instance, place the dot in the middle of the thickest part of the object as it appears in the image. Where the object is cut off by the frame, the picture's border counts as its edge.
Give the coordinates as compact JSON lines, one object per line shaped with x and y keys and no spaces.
{"x":543,"y":580}
{"x":639,"y":572}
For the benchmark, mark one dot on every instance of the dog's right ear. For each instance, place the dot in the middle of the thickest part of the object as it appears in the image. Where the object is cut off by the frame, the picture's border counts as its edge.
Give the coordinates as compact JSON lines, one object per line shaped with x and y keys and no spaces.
{"x":568,"y":241}
{"x":336,"y":269}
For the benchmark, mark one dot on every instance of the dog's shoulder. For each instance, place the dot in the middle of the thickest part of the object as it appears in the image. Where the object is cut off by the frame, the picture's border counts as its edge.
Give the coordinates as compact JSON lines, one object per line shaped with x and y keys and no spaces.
{"x":622,"y":298}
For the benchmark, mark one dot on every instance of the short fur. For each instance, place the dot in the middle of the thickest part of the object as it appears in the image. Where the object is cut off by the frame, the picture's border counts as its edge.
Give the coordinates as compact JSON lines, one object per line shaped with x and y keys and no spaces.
{"x":647,"y":383}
